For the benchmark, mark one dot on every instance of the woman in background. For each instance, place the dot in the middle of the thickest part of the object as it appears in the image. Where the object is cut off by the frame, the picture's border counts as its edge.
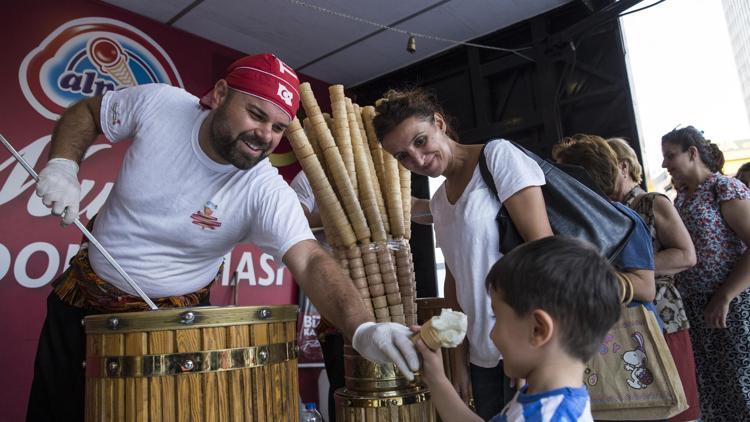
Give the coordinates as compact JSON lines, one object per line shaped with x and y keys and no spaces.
{"x":716,"y":212}
{"x":636,"y":261}
{"x":673,"y":253}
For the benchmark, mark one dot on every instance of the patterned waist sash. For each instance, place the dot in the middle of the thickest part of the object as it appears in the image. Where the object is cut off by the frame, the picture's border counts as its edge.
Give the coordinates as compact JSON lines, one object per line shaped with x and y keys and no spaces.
{"x":79,"y":286}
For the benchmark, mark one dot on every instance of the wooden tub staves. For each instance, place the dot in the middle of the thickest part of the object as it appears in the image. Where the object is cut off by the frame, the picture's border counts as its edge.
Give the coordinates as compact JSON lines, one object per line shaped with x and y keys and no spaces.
{"x":197,"y":364}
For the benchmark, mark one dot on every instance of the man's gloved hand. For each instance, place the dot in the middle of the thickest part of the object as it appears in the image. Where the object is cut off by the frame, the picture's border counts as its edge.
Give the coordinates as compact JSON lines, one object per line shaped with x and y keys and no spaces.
{"x":59,"y":188}
{"x":387,"y":342}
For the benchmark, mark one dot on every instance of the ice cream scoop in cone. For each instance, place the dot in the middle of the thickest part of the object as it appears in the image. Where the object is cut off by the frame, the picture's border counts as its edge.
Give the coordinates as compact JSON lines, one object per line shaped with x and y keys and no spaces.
{"x":446,"y":330}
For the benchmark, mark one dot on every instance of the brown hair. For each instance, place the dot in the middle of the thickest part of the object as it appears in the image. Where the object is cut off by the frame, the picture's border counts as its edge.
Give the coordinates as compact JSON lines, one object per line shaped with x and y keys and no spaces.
{"x":592,"y":153}
{"x":689,"y":136}
{"x":397,"y":106}
{"x":568,"y":279}
{"x":626,"y":153}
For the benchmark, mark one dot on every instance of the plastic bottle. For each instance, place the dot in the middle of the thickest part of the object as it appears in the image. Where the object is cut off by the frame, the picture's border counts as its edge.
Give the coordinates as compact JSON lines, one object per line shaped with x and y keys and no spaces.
{"x":311,"y":414}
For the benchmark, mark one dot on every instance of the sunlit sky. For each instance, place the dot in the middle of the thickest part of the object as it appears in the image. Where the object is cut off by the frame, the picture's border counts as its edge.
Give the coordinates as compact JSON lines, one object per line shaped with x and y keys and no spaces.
{"x":682,"y":71}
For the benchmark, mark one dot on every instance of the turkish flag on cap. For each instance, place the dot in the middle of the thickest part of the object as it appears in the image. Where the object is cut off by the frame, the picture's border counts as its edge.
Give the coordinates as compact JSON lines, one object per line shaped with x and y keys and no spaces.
{"x":266,"y":77}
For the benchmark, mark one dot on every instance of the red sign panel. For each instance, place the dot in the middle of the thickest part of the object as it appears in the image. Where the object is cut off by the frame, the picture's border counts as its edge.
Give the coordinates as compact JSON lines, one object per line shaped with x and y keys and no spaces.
{"x":56,"y":53}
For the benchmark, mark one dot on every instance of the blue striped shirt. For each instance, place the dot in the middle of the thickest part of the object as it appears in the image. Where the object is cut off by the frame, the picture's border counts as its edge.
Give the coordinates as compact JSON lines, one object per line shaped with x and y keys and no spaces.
{"x":560,"y":405}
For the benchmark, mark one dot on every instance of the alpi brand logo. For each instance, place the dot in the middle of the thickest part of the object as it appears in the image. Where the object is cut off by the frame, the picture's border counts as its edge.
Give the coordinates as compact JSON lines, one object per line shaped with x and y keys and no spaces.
{"x":88,"y":57}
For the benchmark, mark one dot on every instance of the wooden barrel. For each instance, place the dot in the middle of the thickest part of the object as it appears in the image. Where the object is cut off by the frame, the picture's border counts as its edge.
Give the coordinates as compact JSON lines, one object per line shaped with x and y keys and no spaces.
{"x":413,"y":405}
{"x":196,"y":364}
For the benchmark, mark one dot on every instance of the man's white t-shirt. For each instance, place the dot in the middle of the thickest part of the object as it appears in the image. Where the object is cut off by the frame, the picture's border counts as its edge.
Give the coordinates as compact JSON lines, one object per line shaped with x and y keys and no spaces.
{"x":173,"y":212}
{"x":467,"y":233}
{"x":301,"y":186}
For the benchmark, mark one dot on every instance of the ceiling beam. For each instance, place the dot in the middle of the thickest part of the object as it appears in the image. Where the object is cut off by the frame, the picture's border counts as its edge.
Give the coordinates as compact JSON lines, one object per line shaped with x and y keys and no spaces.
{"x":183,"y":12}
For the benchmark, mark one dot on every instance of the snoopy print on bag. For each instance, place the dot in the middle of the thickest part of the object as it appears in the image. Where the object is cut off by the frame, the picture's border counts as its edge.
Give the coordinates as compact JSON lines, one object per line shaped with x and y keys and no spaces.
{"x":635,"y":363}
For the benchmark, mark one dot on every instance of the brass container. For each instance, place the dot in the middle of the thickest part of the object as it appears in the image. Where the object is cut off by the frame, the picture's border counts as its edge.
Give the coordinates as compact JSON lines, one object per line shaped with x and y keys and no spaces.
{"x":412,"y":405}
{"x":204,"y":363}
{"x":362,"y":375}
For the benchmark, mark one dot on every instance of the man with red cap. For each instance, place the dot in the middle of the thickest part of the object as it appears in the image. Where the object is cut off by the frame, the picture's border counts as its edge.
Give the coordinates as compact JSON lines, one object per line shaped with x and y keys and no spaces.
{"x":194,"y":183}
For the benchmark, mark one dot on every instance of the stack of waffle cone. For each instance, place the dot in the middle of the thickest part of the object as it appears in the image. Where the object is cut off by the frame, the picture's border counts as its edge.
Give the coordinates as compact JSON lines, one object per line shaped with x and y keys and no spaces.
{"x":331,"y":212}
{"x":361,"y":194}
{"x":396,"y":180}
{"x":341,"y":134}
{"x":406,"y":281}
{"x":405,"y":179}
{"x":376,"y":153}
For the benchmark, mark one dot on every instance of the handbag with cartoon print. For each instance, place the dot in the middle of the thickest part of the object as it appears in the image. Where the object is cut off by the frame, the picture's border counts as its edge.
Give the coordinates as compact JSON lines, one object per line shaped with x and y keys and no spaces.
{"x":633,"y":376}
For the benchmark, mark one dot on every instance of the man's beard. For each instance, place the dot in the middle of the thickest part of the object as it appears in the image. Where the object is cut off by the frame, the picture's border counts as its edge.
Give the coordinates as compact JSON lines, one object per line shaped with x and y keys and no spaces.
{"x":229,"y":148}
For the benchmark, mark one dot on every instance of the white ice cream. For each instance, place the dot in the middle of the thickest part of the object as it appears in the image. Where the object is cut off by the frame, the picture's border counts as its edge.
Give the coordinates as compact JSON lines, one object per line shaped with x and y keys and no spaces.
{"x":450,"y":327}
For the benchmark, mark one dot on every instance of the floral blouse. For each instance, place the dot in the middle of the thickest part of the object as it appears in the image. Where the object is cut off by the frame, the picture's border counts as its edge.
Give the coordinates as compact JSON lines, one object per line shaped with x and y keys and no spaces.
{"x":717,"y":247}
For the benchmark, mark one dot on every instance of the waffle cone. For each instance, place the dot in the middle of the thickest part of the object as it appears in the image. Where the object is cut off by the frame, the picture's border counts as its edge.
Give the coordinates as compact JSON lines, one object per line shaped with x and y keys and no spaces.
{"x":429,"y":336}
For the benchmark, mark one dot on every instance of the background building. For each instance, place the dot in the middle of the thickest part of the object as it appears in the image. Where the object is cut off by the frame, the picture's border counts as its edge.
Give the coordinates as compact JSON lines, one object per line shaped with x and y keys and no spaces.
{"x":737,"y":13}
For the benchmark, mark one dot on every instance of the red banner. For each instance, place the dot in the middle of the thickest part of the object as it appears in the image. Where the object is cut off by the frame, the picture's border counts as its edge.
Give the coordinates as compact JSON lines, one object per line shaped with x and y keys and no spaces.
{"x":56,"y":53}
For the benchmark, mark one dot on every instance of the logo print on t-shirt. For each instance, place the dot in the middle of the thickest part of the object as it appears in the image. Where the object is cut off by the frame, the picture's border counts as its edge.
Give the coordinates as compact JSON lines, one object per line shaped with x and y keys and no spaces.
{"x":115,"y":114}
{"x":205,"y":218}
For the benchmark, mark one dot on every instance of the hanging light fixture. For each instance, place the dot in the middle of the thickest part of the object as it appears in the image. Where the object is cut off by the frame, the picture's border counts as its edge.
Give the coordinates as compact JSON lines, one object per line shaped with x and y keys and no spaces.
{"x":411,"y":44}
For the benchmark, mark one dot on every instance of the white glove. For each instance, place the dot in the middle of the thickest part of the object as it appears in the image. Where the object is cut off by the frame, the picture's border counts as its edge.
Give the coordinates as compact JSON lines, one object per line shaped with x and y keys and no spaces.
{"x":59,"y":188}
{"x":387,"y":342}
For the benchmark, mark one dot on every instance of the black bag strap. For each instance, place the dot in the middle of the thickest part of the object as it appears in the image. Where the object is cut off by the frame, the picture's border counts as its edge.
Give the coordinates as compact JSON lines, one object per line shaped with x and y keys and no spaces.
{"x":504,"y":222}
{"x":484,"y":170}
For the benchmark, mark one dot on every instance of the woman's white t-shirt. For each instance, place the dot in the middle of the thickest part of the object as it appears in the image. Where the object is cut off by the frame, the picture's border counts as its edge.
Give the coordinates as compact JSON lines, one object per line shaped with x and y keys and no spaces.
{"x":468,"y":235}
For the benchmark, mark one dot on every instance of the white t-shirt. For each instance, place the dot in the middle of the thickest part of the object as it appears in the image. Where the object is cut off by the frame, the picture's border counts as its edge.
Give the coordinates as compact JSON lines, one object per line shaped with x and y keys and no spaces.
{"x":301,"y":186}
{"x":173,"y":212}
{"x":468,"y":235}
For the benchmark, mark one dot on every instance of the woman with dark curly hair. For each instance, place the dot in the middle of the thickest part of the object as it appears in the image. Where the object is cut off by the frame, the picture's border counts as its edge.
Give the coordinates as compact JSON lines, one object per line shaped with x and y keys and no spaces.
{"x":715,"y":209}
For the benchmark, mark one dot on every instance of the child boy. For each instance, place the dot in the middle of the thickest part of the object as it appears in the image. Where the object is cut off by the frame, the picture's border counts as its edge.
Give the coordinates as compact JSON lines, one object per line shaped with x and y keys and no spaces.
{"x":554,"y":300}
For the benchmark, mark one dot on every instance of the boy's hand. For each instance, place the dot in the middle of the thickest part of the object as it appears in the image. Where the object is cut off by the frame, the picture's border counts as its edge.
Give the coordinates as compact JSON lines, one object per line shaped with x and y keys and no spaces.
{"x":432,"y":366}
{"x":447,"y":402}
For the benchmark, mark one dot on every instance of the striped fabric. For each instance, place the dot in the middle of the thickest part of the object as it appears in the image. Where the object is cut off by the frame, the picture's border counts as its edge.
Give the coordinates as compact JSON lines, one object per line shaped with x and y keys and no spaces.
{"x":79,"y":286}
{"x":560,"y":405}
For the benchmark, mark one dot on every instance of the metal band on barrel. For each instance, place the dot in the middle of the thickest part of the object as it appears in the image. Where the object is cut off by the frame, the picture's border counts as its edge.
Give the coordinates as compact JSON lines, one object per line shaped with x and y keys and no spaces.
{"x":190,"y":363}
{"x":176,"y":319}
{"x":402,"y":400}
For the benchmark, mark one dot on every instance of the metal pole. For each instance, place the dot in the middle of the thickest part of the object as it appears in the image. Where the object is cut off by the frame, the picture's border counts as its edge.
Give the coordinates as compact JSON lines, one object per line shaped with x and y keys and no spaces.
{"x":84,"y":230}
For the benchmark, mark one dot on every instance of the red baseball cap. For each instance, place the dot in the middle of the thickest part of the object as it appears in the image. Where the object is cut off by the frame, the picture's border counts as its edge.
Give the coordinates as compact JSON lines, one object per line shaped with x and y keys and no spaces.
{"x":266,"y":77}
